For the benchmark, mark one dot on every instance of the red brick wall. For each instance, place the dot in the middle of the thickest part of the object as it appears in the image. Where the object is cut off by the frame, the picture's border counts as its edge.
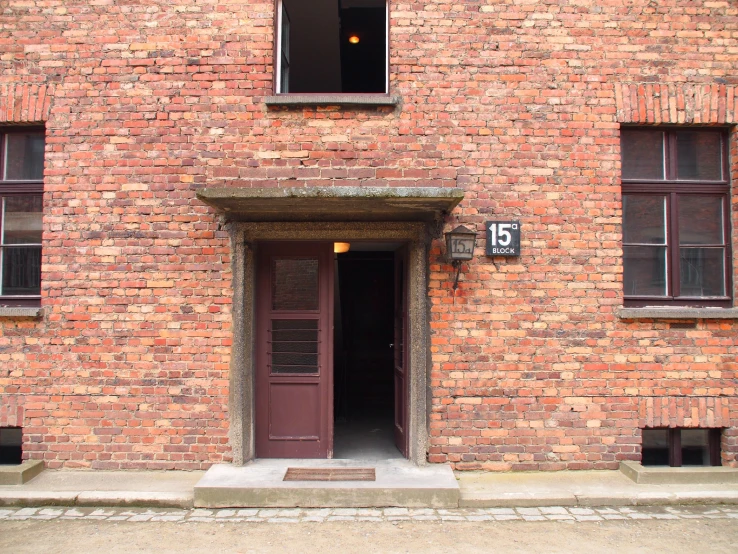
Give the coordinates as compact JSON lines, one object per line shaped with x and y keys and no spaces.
{"x":517,"y":103}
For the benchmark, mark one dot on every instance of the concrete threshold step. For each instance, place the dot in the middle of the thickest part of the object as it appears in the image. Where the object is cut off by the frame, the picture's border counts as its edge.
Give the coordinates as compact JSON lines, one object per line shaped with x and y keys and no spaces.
{"x":399,"y":483}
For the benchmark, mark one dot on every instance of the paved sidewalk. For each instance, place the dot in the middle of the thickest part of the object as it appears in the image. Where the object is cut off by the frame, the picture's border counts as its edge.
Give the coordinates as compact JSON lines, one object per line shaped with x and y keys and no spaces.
{"x":398,"y":515}
{"x":161,"y":489}
{"x":170,"y":489}
{"x":582,"y":488}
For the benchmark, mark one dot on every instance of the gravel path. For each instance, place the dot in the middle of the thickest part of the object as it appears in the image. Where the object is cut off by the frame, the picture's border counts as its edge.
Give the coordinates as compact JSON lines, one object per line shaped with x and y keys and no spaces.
{"x":556,"y":530}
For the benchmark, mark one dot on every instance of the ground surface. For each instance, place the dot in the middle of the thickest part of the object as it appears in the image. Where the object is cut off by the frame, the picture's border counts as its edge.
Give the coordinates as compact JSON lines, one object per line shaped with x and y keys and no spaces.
{"x":570,"y":530}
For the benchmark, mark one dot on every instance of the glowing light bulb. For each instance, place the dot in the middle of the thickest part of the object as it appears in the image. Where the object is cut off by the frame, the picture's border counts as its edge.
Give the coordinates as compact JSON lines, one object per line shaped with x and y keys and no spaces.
{"x":353,"y":39}
{"x":341,"y":247}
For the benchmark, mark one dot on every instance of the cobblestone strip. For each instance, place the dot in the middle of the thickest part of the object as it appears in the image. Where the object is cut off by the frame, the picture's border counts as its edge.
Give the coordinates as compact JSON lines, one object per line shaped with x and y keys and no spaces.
{"x":393,"y":515}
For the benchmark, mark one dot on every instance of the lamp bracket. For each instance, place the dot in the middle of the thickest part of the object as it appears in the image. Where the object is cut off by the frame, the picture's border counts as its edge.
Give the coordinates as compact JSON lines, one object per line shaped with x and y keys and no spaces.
{"x":457,"y":265}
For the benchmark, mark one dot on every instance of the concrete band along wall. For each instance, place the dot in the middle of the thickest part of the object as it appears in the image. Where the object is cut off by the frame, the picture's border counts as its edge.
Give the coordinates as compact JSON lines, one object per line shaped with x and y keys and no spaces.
{"x":531,"y":364}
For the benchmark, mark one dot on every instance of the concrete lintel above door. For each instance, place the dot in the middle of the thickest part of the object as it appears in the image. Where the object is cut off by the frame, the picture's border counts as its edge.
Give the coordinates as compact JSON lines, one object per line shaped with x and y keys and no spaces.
{"x":342,"y":203}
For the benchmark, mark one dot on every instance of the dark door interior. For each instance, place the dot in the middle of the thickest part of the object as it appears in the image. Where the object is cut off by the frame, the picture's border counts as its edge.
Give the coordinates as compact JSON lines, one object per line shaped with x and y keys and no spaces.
{"x":365,"y":374}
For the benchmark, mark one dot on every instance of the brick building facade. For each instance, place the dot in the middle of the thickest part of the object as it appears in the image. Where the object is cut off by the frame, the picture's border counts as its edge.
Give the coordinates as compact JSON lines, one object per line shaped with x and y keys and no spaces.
{"x":533,"y":362}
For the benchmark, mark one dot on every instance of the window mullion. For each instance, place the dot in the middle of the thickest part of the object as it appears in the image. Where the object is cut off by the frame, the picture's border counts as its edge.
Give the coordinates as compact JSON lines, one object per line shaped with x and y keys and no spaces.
{"x":672,"y":245}
{"x":675,"y":447}
{"x":670,"y":165}
{"x":714,"y":447}
{"x":727,"y":250}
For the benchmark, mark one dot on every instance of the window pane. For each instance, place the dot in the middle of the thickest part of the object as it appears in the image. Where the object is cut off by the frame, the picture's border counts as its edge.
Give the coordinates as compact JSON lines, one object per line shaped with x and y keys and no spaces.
{"x":644,"y":219}
{"x":22,"y":219}
{"x":295,"y":284}
{"x":701,"y":271}
{"x":294,"y":346}
{"x":644,"y":270}
{"x":655,"y":451}
{"x":25,"y":157}
{"x":642,"y":154}
{"x":695,"y":447}
{"x":700,"y":219}
{"x":699,"y":156}
{"x":21,"y":271}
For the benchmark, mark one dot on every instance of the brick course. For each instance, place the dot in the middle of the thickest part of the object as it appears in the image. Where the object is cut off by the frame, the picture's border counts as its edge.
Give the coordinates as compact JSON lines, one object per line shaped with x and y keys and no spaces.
{"x":518,"y":103}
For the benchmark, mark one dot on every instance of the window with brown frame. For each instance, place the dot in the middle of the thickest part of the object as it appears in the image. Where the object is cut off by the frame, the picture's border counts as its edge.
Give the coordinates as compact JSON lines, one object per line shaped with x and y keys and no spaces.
{"x":676,"y":225}
{"x":21,"y":211}
{"x":681,"y":447}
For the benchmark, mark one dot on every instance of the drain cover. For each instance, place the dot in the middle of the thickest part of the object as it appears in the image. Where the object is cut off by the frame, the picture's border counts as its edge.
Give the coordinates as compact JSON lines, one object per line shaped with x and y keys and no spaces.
{"x":330,"y":474}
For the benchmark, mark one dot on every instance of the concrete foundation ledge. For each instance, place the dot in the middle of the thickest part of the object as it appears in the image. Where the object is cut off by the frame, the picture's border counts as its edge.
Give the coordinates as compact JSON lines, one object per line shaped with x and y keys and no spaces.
{"x":663,"y":475}
{"x":19,"y":474}
{"x":31,"y":499}
{"x":137,"y":499}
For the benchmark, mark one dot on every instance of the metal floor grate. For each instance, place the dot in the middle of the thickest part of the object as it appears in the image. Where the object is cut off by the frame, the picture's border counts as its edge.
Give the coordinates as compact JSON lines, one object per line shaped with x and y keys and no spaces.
{"x":330,"y":474}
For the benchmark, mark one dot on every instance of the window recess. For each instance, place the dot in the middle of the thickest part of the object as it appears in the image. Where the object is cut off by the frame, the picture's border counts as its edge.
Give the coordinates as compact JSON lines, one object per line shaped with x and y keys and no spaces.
{"x":676,"y":225}
{"x":21,"y":211}
{"x":332,"y":46}
{"x":11,"y":445}
{"x":681,"y":447}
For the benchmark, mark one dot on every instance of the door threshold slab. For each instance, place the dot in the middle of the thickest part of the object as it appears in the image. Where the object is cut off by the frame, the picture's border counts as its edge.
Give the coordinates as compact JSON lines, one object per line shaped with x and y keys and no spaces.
{"x":260,"y":484}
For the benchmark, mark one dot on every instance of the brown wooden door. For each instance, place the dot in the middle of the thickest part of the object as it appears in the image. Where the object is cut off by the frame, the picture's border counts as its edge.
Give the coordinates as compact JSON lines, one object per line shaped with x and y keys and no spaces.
{"x":294,"y":354}
{"x":400,"y":351}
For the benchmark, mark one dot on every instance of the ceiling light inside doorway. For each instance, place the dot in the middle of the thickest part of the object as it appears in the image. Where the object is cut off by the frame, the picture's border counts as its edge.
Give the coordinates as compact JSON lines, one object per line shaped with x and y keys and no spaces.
{"x":341,"y":247}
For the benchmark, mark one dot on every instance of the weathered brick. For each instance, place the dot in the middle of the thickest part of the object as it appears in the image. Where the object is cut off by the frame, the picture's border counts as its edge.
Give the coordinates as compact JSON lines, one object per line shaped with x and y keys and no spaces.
{"x":518,"y":104}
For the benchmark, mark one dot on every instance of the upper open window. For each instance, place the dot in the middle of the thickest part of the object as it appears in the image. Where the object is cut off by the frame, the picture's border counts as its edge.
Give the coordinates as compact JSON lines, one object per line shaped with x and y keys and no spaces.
{"x":676,"y":224}
{"x":332,"y":46}
{"x":21,"y":207}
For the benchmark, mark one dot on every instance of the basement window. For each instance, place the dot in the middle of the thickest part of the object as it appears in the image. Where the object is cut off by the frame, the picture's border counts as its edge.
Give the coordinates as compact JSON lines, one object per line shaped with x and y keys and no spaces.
{"x":332,"y":46}
{"x":681,"y":447}
{"x":11,"y":445}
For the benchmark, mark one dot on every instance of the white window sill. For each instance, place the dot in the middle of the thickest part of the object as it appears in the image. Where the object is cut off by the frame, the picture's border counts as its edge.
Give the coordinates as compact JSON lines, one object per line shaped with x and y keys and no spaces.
{"x":36,"y":311}
{"x":332,"y":99}
{"x":678,"y":313}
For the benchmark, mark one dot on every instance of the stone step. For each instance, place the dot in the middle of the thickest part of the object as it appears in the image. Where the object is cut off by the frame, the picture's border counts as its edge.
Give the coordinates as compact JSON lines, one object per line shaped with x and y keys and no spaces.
{"x":399,"y":483}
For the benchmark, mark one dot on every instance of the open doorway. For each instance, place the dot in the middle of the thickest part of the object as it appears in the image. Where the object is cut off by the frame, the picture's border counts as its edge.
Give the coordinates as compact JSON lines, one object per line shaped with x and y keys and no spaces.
{"x":364,"y":353}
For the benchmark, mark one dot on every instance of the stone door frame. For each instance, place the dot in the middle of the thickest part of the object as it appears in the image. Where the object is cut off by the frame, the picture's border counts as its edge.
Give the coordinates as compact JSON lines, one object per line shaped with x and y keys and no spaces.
{"x":245,"y":237}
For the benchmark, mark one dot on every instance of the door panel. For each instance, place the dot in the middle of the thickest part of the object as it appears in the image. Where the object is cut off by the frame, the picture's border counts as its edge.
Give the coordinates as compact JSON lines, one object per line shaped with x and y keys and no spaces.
{"x":400,"y":352}
{"x":294,"y":410}
{"x":294,"y":354}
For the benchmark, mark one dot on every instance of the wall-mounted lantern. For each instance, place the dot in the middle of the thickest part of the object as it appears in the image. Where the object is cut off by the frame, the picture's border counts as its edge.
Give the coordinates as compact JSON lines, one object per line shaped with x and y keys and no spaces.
{"x":460,"y":248}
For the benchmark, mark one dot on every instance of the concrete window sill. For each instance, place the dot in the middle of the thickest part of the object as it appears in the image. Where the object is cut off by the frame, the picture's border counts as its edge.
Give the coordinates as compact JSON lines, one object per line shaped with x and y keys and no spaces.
{"x":336,"y":99}
{"x":21,"y":312}
{"x":678,"y":313}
